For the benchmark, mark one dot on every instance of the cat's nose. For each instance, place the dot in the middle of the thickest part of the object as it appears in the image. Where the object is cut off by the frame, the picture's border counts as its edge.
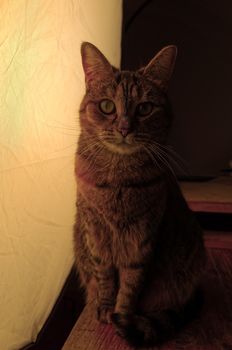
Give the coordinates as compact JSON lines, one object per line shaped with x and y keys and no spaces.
{"x":124,"y":126}
{"x":124,"y":132}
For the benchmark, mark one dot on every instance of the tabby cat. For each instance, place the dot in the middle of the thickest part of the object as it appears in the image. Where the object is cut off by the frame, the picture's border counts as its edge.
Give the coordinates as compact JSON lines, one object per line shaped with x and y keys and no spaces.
{"x":139,"y":251}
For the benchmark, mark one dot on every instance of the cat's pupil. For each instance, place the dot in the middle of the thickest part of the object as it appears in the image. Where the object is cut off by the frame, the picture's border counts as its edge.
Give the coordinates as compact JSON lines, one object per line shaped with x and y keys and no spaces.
{"x":107,"y":106}
{"x":144,"y":108}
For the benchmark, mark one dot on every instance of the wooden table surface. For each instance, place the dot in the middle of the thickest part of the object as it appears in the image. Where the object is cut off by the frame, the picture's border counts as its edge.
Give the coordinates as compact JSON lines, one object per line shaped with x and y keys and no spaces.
{"x":89,"y":334}
{"x":209,"y":196}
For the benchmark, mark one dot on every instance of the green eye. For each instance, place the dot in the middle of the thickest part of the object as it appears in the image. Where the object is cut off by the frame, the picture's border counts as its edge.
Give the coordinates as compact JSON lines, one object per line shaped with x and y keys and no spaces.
{"x":144,"y":108}
{"x":107,"y":107}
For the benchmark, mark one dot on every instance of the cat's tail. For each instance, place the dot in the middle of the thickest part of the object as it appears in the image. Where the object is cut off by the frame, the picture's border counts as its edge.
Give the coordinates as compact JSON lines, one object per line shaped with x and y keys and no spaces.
{"x":156,"y":327}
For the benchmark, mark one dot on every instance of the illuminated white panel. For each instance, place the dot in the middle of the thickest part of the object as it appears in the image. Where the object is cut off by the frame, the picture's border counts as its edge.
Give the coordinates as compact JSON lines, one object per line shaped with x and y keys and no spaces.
{"x":41,"y":85}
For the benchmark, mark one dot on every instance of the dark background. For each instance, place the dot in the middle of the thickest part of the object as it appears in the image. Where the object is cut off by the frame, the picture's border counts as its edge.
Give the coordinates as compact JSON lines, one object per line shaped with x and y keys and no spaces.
{"x":201,"y":86}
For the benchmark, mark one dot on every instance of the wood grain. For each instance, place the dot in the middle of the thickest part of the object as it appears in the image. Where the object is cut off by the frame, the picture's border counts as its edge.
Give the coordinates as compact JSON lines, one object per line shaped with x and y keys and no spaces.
{"x":209,"y":196}
{"x":89,"y":334}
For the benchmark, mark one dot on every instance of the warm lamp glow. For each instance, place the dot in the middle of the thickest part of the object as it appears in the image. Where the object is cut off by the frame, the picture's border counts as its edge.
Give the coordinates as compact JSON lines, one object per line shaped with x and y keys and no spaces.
{"x":41,"y":86}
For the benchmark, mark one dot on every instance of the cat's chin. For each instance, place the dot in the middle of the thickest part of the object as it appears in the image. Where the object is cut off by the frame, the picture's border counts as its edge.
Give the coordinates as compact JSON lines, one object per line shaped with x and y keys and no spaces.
{"x":121,"y":148}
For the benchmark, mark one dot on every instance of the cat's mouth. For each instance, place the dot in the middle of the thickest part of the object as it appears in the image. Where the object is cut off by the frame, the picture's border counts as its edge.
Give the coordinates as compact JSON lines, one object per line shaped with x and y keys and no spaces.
{"x":122,"y":145}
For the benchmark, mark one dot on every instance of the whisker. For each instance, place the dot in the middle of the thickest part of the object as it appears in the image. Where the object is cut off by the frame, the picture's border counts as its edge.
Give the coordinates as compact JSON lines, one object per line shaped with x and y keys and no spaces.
{"x":150,"y":154}
{"x":170,"y":158}
{"x":63,"y":127}
{"x":92,"y":157}
{"x":163,"y":160}
{"x":167,"y":152}
{"x":179,"y":161}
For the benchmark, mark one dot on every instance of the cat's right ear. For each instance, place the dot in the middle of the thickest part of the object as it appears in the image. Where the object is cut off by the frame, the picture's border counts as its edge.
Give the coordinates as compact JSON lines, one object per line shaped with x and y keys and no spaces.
{"x":95,"y":64}
{"x":160,"y":68}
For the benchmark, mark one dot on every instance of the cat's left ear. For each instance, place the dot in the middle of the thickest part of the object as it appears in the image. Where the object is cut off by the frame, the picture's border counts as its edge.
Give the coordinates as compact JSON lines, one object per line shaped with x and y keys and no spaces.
{"x":95,"y":64}
{"x":160,"y":68}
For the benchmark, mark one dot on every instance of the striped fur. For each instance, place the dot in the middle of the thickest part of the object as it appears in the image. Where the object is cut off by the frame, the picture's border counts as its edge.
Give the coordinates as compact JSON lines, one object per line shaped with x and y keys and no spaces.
{"x":139,"y":250}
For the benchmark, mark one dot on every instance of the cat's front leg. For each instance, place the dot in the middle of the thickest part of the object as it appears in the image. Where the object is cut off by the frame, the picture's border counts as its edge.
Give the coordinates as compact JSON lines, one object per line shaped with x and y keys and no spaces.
{"x":131,"y":281}
{"x":125,"y":318}
{"x":105,"y":277}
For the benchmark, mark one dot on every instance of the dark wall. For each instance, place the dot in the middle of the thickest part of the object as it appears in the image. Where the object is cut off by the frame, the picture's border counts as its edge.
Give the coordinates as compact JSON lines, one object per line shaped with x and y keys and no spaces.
{"x":201,"y":87}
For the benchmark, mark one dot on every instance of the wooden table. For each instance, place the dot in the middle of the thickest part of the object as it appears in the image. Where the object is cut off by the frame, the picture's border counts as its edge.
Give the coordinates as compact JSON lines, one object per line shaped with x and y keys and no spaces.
{"x":212,"y":196}
{"x":89,"y":334}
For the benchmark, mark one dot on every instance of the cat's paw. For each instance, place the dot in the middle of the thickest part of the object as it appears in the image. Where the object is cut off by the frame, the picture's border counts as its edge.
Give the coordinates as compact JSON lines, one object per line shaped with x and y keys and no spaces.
{"x":121,"y":322}
{"x":137,"y":330}
{"x":104,"y":313}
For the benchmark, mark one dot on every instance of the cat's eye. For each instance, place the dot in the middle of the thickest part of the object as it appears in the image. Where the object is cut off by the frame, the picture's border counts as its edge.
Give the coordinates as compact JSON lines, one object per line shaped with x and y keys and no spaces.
{"x":107,"y":107}
{"x":144,"y":109}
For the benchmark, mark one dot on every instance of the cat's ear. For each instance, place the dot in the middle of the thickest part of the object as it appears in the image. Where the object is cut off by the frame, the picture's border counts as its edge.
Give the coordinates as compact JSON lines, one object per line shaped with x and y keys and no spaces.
{"x":95,"y":65}
{"x":160,"y":68}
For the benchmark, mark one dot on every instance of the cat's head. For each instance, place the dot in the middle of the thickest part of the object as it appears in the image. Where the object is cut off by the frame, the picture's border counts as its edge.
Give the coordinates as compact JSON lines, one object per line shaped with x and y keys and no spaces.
{"x":126,"y":111}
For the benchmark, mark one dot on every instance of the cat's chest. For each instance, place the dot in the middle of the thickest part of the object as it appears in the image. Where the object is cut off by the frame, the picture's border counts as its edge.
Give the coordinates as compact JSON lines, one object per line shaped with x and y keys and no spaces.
{"x":109,"y":199}
{"x":123,"y":204}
